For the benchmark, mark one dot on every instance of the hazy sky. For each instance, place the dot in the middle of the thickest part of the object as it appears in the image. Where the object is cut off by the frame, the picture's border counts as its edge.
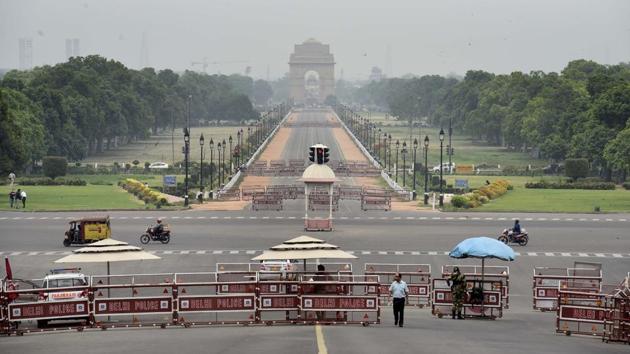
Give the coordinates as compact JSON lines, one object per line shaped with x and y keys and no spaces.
{"x":421,"y":37}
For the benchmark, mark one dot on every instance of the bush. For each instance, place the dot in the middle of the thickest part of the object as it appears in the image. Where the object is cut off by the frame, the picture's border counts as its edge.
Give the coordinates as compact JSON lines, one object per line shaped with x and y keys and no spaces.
{"x":54,"y":166}
{"x":576,"y":168}
{"x":482,"y":195}
{"x":576,"y":185}
{"x":142,"y":192}
{"x":45,"y":181}
{"x":626,"y":185}
{"x":459,"y":201}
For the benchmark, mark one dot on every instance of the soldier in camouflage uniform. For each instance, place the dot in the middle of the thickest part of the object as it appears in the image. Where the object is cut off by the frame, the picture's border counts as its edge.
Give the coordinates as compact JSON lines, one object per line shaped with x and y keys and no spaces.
{"x":457,"y":282}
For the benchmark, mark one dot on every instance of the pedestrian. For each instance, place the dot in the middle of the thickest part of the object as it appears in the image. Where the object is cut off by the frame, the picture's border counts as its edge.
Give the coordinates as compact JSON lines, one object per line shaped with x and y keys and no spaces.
{"x":23,"y":197}
{"x":399,"y":291}
{"x":457,"y":282}
{"x":18,"y":196}
{"x":12,"y":195}
{"x":321,"y":275}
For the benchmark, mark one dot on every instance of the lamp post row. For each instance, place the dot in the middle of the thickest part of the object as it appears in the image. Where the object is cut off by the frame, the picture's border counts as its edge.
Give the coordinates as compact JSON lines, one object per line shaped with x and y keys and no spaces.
{"x":366,"y":131}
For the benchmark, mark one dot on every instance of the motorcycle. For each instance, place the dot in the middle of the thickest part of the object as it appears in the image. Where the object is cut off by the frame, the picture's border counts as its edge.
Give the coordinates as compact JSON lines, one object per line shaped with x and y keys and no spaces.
{"x":508,"y":236}
{"x":149,"y":235}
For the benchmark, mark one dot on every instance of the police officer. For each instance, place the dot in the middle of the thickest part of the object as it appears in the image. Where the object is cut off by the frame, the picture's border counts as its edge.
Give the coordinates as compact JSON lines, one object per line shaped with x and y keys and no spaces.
{"x":457,"y":282}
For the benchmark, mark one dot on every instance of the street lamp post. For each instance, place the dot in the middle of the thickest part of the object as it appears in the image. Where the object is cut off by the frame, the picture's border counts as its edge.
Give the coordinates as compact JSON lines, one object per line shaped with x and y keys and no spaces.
{"x":415,"y":148}
{"x":426,"y":170}
{"x":450,"y":146}
{"x":396,"y":162}
{"x":201,"y":142}
{"x":223,"y":165}
{"x":249,"y":134}
{"x":404,"y":156}
{"x":211,"y":147}
{"x":441,"y":168}
{"x":186,"y":151}
{"x":389,"y":156}
{"x":219,"y":164}
{"x":231,"y":152}
{"x":238,"y":147}
{"x":380,"y":146}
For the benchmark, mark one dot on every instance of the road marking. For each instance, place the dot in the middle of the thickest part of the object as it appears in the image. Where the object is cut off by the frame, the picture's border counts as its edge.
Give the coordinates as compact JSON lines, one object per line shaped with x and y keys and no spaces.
{"x":253,"y":217}
{"x":528,"y":219}
{"x":234,"y":252}
{"x":601,"y":255}
{"x":542,"y":219}
{"x":432,"y":253}
{"x":565,"y":254}
{"x":203,"y":217}
{"x":291,"y":217}
{"x":582,"y":254}
{"x":462,"y":218}
{"x":343,"y":218}
{"x":622,"y":219}
{"x":321,"y":343}
{"x":250,"y":252}
{"x":488,"y":219}
{"x":415,"y":253}
{"x":382,"y":253}
{"x":365,"y":252}
{"x":555,"y":219}
{"x":167,"y":252}
{"x":532,"y":254}
{"x":4,"y":218}
{"x":399,"y":253}
{"x":436,"y":218}
{"x":617,"y":255}
{"x":502,"y":219}
{"x":449,"y":218}
{"x":200,"y":252}
{"x":184,"y":252}
{"x":475,"y":218}
{"x":568,"y":219}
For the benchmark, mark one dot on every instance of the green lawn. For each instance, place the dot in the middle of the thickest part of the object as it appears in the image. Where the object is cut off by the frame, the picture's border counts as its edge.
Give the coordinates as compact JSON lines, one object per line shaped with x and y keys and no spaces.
{"x":162,"y":147}
{"x":88,"y":197}
{"x":560,"y":200}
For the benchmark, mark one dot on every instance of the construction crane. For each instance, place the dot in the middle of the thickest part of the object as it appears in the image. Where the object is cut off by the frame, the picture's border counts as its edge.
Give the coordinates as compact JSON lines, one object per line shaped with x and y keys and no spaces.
{"x":204,"y":63}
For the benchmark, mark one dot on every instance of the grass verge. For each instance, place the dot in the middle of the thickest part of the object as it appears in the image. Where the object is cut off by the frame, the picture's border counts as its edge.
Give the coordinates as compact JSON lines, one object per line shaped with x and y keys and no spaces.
{"x":90,"y":197}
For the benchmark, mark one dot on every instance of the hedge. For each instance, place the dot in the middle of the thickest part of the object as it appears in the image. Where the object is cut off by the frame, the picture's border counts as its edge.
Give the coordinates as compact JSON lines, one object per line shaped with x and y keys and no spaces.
{"x":574,"y":185}
{"x":142,"y":192}
{"x":626,"y":185}
{"x":45,"y":181}
{"x":482,"y":195}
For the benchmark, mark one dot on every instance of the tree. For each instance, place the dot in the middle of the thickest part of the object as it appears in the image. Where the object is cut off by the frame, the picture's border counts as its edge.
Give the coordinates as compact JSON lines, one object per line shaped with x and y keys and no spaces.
{"x":576,"y":168}
{"x":54,"y":166}
{"x":21,"y":131}
{"x":617,"y":152}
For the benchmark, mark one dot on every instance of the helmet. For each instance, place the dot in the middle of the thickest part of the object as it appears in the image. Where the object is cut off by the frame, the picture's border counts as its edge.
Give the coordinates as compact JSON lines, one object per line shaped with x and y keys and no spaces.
{"x":456,"y":270}
{"x":516,"y":221}
{"x":159,"y":220}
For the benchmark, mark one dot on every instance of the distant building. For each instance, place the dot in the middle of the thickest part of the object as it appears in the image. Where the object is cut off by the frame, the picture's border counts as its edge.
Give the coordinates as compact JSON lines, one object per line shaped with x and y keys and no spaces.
{"x":72,"y":48}
{"x":376,"y":74}
{"x":25,"y":53}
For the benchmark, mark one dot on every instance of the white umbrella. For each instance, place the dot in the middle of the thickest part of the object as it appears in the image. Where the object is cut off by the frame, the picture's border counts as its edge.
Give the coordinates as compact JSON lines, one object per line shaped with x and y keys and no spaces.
{"x":303,"y":247}
{"x":107,"y":250}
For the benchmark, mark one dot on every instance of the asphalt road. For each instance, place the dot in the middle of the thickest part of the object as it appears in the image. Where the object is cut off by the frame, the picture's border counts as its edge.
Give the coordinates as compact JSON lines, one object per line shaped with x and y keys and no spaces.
{"x":201,"y":239}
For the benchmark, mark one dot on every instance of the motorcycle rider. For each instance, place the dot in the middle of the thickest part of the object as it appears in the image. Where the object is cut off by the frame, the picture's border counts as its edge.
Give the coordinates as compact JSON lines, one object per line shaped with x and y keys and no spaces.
{"x":158,"y":228}
{"x":516,"y":230}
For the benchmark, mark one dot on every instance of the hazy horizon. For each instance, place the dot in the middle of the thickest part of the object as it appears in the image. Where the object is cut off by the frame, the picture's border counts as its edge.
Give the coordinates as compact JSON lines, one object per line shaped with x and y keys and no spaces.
{"x":418,"y":37}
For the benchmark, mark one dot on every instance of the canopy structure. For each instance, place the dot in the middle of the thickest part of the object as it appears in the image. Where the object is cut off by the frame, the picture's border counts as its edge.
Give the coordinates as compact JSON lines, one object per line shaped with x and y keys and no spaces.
{"x":107,"y":250}
{"x":303,"y":247}
{"x":483,"y":247}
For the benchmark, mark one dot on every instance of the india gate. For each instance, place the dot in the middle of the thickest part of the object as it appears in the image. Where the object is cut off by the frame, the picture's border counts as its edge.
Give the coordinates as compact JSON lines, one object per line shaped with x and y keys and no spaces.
{"x":311,"y":72}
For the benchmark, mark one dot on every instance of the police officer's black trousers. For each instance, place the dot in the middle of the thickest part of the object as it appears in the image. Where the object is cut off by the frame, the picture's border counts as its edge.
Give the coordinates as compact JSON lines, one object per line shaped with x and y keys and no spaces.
{"x":399,"y":311}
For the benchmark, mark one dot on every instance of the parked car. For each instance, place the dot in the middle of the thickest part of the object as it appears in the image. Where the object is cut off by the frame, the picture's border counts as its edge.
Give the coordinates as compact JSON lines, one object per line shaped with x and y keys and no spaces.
{"x":445,"y":167}
{"x":158,"y":165}
{"x":63,"y":278}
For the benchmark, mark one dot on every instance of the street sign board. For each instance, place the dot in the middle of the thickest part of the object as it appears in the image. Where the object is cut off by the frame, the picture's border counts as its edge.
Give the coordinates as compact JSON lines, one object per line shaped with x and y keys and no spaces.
{"x":170,"y":181}
{"x":461,"y":183}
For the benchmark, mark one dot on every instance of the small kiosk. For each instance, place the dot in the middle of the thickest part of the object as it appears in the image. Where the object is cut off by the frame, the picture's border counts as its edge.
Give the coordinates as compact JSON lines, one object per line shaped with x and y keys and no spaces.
{"x":317,"y":178}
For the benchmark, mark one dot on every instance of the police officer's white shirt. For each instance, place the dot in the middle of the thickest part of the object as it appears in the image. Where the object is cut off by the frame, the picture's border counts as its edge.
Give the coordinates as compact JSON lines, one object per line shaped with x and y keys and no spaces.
{"x":398,"y":289}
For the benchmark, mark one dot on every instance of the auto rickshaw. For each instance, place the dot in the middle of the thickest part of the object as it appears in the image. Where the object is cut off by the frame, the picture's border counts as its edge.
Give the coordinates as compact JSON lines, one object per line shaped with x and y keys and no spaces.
{"x":87,"y":230}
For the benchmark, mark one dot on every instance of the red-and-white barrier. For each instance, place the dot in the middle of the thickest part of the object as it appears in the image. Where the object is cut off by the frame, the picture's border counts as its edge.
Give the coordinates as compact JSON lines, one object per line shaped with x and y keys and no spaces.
{"x":417,"y":277}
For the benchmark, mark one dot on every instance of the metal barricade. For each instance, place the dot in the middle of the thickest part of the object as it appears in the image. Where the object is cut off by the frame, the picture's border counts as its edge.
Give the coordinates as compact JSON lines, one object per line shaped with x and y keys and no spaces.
{"x":499,"y":276}
{"x":546,"y":281}
{"x":580,"y":313}
{"x":267,"y":201}
{"x":248,"y":192}
{"x":442,"y":302}
{"x":417,"y":277}
{"x":204,"y":300}
{"x":339,"y":299}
